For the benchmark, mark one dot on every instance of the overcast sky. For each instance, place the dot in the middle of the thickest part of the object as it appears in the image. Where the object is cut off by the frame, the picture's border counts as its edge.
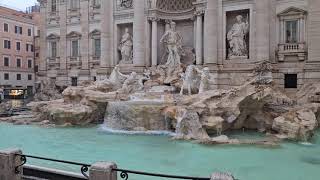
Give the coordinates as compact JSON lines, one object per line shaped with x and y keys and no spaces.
{"x":18,"y":4}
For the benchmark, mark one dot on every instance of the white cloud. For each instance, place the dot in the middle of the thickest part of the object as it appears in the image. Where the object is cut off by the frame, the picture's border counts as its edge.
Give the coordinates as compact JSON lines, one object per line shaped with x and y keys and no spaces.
{"x":18,"y":4}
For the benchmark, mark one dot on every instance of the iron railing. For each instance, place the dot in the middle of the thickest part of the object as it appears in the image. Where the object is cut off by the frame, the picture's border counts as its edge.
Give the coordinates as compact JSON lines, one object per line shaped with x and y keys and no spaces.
{"x":84,"y":167}
{"x":124,"y":173}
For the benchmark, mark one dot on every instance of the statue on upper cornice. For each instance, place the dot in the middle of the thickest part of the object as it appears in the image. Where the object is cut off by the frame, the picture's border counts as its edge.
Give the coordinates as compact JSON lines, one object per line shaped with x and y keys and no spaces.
{"x":126,"y":3}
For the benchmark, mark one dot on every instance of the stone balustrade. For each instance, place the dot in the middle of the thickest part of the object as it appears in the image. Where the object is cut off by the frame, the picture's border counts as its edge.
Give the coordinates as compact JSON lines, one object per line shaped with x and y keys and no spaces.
{"x":12,"y":168}
{"x":292,"y":49}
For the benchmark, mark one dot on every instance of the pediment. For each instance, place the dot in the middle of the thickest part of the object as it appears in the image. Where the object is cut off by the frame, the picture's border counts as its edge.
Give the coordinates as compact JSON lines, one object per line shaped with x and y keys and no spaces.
{"x":95,"y":32}
{"x":73,"y":34}
{"x":292,"y":11}
{"x":53,"y":37}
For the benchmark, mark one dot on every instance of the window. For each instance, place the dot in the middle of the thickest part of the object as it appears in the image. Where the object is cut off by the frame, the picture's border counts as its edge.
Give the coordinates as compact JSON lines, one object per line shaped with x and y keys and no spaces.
{"x":97,"y":47}
{"x":75,"y":48}
{"x":96,"y":3}
{"x":74,"y":4}
{"x":5,"y":27}
{"x":6,"y":76}
{"x":18,"y":77}
{"x":291,"y":81}
{"x":291,"y":31}
{"x":18,"y":62}
{"x":29,"y":77}
{"x":29,"y":47}
{"x":74,"y":81}
{"x":29,"y":63}
{"x":53,"y":5}
{"x":53,"y":49}
{"x":29,"y":32}
{"x":6,"y":61}
{"x":7,"y":44}
{"x":18,"y":30}
{"x":18,"y":46}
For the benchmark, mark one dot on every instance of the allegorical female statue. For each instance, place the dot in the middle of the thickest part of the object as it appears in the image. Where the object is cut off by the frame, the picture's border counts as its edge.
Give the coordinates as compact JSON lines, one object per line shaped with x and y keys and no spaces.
{"x":237,"y":38}
{"x":125,"y":47}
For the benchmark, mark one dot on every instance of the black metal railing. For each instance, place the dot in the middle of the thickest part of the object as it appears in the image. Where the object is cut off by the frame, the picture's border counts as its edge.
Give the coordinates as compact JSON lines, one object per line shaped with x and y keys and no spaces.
{"x":124,"y":175}
{"x":84,"y":167}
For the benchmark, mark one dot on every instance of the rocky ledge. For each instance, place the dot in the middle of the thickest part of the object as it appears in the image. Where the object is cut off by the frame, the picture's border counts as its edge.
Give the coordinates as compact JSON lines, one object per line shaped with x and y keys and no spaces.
{"x":152,"y":102}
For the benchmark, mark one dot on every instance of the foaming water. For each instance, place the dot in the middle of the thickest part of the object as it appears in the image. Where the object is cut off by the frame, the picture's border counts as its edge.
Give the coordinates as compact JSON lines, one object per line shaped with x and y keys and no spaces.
{"x":104,"y":129}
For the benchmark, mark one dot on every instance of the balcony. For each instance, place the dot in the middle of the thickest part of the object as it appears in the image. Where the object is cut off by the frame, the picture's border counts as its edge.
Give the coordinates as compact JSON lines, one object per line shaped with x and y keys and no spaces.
{"x":74,"y":62}
{"x":298,"y":50}
{"x":53,"y":63}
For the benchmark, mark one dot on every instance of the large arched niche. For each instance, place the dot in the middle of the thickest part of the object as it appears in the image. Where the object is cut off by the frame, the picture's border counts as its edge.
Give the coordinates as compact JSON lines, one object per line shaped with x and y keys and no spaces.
{"x":174,"y":5}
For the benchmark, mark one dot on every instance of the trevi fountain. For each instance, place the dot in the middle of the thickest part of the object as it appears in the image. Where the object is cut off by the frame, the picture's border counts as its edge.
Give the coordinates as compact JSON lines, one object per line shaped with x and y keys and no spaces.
{"x":172,"y":116}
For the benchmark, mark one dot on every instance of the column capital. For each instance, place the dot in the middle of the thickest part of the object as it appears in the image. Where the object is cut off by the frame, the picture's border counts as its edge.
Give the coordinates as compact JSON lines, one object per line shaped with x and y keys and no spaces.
{"x":199,"y":12}
{"x":153,"y":18}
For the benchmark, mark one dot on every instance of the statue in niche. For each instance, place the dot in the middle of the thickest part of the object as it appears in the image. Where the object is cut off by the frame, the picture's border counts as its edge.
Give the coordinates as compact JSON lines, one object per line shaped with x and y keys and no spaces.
{"x":126,"y":47}
{"x":173,"y":42}
{"x":237,"y":38}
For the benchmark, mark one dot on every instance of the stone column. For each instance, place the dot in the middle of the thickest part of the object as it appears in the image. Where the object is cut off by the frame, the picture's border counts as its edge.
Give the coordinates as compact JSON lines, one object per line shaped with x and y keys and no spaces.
{"x":8,"y":163}
{"x":199,"y":41}
{"x":63,"y":35}
{"x":314,"y":31}
{"x":103,"y":171}
{"x":154,"y":43}
{"x":139,"y":31}
{"x":211,"y":32}
{"x":43,"y":39}
{"x":84,"y":4}
{"x":262,"y":19}
{"x":106,"y":35}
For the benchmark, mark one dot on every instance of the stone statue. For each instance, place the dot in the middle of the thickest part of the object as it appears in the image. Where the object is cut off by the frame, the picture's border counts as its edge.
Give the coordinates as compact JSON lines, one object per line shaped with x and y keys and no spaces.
{"x":116,"y":77}
{"x":237,"y":38}
{"x":263,"y":72}
{"x":142,"y":79}
{"x":125,"y":47}
{"x":188,"y":77}
{"x":204,"y":82}
{"x":173,"y":42}
{"x":128,"y":84}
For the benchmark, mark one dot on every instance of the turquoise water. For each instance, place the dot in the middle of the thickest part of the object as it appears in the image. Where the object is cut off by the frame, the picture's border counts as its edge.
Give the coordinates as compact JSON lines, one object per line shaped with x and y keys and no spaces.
{"x":162,"y":155}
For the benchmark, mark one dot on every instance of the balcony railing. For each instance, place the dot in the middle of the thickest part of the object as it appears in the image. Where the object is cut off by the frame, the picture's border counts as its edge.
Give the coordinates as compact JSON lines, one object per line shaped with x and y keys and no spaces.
{"x":292,"y":49}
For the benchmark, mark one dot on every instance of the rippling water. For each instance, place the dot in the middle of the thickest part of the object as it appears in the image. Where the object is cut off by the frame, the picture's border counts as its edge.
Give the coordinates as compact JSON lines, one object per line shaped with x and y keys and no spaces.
{"x":155,"y":153}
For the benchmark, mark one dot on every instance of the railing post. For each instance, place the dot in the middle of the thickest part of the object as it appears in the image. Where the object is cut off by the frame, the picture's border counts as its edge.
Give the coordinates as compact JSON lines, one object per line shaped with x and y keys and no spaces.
{"x":103,"y":171}
{"x":221,"y":176}
{"x":8,"y":163}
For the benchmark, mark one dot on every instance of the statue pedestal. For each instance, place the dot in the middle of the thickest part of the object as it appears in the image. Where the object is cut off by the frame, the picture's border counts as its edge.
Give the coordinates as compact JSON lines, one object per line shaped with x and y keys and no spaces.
{"x":128,"y":68}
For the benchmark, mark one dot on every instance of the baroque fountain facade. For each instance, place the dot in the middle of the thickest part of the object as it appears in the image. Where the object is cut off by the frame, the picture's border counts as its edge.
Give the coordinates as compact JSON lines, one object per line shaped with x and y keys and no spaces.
{"x":191,"y":67}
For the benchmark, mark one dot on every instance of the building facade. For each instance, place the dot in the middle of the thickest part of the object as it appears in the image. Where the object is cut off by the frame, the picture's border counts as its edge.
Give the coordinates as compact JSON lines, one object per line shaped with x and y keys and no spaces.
{"x":17,"y":32}
{"x":85,"y":39}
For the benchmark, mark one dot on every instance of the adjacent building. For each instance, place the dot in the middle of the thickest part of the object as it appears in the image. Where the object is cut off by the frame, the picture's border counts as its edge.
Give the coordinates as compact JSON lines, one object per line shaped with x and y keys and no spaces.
{"x":17,"y":51}
{"x":82,"y":39}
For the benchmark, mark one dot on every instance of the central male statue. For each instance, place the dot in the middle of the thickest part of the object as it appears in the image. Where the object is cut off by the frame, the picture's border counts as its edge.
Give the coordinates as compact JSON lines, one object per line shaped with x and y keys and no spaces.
{"x":173,"y":43}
